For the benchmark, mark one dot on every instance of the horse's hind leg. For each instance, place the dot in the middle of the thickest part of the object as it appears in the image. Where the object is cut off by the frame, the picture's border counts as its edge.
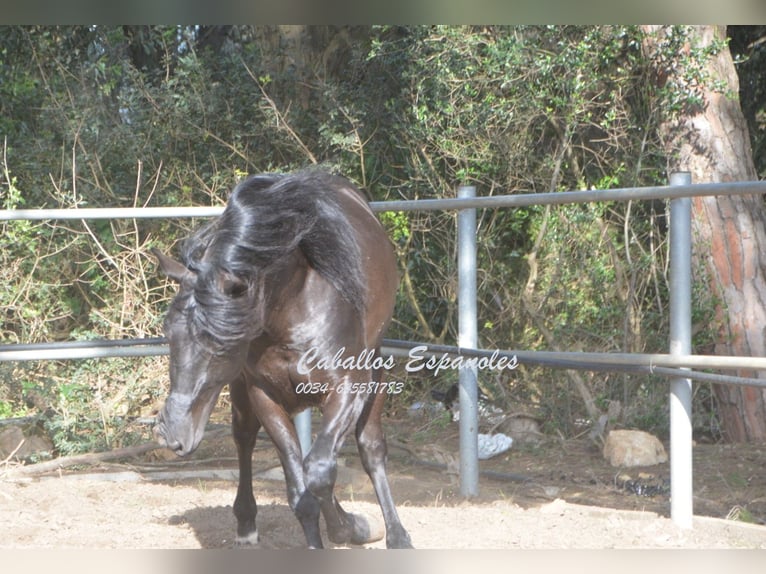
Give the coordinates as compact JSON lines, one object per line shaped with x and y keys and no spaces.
{"x":244,"y":426}
{"x":371,"y":442}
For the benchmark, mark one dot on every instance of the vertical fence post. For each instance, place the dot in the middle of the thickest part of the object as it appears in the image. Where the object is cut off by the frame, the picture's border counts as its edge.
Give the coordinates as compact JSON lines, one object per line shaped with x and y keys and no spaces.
{"x":681,"y":496}
{"x":468,"y":337}
{"x":302,"y":423}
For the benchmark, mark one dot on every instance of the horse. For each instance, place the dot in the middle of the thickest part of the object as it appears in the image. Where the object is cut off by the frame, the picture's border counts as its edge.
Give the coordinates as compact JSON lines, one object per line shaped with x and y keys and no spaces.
{"x":296,"y":273}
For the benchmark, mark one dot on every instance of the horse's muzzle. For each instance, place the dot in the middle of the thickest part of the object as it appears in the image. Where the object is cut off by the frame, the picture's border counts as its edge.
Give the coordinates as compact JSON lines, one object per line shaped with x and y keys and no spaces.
{"x":164,"y":438}
{"x":181,"y":422}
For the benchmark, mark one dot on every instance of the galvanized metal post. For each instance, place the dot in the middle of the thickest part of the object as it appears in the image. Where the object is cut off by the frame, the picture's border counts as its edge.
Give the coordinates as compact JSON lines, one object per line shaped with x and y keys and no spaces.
{"x":468,"y":337}
{"x":681,"y":495}
{"x":302,"y":423}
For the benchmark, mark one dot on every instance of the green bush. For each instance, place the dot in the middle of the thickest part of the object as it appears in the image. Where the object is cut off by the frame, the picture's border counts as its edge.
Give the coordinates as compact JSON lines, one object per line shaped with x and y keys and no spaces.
{"x":174,"y":115}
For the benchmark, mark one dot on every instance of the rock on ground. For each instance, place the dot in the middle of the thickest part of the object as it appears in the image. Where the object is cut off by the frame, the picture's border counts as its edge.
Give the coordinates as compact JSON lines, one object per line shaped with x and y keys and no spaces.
{"x":627,"y":448}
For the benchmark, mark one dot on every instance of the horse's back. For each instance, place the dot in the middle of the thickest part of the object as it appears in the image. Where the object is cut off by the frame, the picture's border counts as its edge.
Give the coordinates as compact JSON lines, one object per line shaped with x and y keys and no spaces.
{"x":378,"y":262}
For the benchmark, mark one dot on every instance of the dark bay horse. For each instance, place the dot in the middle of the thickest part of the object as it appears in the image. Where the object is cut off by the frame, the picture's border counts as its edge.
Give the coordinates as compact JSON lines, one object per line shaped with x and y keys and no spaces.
{"x":297,"y":265}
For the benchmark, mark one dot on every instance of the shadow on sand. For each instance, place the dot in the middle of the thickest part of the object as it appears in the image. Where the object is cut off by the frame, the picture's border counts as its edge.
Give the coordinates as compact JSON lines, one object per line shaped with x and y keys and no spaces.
{"x":215,"y":526}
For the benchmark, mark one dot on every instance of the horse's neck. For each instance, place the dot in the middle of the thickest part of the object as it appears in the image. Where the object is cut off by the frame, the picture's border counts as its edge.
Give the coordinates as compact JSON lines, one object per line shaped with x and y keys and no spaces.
{"x":300,"y":305}
{"x":281,"y":288}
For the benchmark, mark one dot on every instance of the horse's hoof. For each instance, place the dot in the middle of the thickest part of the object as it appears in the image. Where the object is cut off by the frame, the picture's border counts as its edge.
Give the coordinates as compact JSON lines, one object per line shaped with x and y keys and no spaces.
{"x":366,"y":529}
{"x":399,"y":540}
{"x":362,"y":529}
{"x":249,"y":541}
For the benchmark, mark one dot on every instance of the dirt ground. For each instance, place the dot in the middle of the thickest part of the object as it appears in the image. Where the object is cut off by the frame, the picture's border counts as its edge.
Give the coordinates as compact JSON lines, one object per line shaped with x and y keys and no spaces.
{"x":559,"y":494}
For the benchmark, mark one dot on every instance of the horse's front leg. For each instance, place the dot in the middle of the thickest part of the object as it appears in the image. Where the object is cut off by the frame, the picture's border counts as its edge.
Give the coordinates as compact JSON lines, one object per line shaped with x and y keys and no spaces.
{"x":244,"y":426}
{"x":280,"y":427}
{"x":340,"y":412}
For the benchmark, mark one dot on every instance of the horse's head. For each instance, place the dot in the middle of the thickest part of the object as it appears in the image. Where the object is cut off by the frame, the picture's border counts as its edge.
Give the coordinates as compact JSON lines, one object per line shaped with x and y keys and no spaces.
{"x":200,"y":363}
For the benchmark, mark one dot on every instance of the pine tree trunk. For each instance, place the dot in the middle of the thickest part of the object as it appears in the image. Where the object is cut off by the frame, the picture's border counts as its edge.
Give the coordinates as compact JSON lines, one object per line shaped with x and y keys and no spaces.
{"x":729,"y":232}
{"x":311,"y":53}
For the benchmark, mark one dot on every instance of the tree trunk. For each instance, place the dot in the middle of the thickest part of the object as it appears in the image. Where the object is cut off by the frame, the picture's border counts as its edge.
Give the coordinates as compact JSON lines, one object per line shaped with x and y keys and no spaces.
{"x":712,"y":143}
{"x":312,"y":53}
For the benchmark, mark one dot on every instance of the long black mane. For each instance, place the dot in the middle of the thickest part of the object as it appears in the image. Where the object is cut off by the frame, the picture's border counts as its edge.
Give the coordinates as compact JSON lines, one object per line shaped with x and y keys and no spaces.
{"x":267,"y":217}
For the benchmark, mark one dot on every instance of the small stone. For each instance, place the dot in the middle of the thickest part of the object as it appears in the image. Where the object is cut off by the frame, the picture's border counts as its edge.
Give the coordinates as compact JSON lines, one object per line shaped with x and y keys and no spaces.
{"x":628,"y":448}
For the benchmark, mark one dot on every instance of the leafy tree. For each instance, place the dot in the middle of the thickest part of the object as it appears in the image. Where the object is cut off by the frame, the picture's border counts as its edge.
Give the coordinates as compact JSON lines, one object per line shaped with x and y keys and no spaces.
{"x":706,"y":134}
{"x":748,"y":48}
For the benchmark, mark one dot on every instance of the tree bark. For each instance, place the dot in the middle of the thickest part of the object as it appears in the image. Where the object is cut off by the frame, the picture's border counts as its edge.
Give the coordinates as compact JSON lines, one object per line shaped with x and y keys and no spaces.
{"x":712,"y":143}
{"x":311,"y":53}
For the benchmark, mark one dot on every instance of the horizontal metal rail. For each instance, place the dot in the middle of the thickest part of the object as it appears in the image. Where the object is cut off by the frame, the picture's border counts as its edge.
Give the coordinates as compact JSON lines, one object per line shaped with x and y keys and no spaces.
{"x":84,"y":344}
{"x":109,"y":213}
{"x":569,"y":197}
{"x":483,"y":202}
{"x":75,"y":350}
{"x":567,"y":358}
{"x":651,"y":364}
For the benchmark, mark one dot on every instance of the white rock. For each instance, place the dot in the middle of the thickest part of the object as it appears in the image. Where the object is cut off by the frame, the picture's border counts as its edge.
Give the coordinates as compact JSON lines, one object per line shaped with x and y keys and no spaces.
{"x":626,"y":448}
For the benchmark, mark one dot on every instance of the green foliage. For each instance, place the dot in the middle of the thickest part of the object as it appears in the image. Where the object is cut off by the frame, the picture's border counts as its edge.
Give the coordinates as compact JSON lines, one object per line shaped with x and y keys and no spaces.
{"x":680,"y":63}
{"x":87,"y":405}
{"x":749,"y":53}
{"x":398,"y":225}
{"x":175,"y":115}
{"x":6,"y":410}
{"x":741,"y":513}
{"x":79,"y":427}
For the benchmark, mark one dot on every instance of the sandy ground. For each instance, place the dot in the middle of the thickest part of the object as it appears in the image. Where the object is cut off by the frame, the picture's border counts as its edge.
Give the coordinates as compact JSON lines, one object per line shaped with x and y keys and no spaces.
{"x":64,"y":513}
{"x":569,"y":500}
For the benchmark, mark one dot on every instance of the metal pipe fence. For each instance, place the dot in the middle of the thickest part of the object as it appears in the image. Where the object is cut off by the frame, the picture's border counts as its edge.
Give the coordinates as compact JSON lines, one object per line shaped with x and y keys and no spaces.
{"x":481,"y":202}
{"x":681,"y":496}
{"x":677,"y":364}
{"x":643,"y":363}
{"x":468,"y":385}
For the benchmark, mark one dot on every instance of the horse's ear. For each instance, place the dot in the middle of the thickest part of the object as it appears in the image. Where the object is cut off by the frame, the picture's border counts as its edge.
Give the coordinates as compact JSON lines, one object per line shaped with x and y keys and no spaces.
{"x":175,"y":270}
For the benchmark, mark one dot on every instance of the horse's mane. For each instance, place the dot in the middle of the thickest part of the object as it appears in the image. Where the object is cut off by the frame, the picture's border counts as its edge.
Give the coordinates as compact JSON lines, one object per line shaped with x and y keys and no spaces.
{"x":266,"y":218}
